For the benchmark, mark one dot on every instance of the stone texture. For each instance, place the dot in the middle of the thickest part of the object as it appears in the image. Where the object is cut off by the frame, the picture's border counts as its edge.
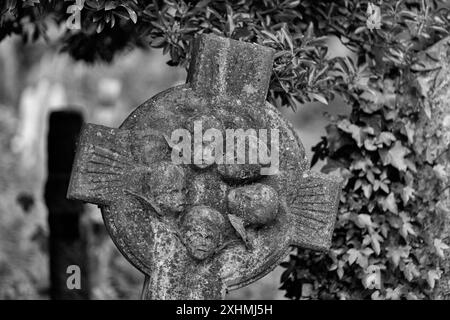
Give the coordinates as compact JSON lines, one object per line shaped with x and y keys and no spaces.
{"x":197,"y":231}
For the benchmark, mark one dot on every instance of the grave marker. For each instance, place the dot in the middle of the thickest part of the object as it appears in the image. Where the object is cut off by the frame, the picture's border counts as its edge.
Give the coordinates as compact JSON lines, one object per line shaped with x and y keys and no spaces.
{"x":196,"y":231}
{"x":67,"y":242}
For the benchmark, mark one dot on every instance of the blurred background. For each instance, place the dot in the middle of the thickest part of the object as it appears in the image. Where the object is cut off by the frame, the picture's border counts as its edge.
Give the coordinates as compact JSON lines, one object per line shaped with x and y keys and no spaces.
{"x":38,"y":81}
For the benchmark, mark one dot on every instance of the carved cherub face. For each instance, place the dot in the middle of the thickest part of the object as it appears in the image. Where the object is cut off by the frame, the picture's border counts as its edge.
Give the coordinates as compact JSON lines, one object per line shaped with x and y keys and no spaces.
{"x":201,"y":230}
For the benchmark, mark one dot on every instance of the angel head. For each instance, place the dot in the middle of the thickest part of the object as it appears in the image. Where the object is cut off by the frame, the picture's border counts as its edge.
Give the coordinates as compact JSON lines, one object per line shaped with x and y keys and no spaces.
{"x":201,"y":231}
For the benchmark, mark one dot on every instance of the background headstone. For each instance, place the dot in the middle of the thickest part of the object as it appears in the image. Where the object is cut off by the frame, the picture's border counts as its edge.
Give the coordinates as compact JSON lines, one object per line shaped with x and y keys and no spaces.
{"x":68,"y":239}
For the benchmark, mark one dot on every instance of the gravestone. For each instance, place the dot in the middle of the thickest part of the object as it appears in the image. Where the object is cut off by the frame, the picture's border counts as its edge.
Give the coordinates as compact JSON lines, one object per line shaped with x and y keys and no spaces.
{"x":67,"y":241}
{"x":198,"y":230}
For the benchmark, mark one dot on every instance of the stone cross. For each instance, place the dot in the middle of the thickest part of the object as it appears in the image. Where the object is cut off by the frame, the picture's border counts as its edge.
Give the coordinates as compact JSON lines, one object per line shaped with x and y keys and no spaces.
{"x":197,"y":230}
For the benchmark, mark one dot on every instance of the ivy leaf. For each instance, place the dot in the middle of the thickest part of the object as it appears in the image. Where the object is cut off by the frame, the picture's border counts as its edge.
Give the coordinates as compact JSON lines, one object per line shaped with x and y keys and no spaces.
{"x":364,"y":220}
{"x":432,"y":276}
{"x":372,"y":281}
{"x":340,"y":269}
{"x":396,"y":253}
{"x":410,"y":131}
{"x":396,"y":156}
{"x":357,"y":256}
{"x":407,"y":193}
{"x":337,"y":139}
{"x":410,"y":271}
{"x":443,"y":207}
{"x":370,"y":145}
{"x":372,"y":278}
{"x":362,"y":164}
{"x":367,"y":190}
{"x":440,"y":171}
{"x":353,"y":255}
{"x":379,"y":184}
{"x":394,"y":294}
{"x":389,"y":203}
{"x":355,"y":131}
{"x":385,"y":138}
{"x":407,"y":229}
{"x":440,"y":246}
{"x":376,"y":295}
{"x":375,"y":242}
{"x":307,"y":290}
{"x":423,"y":85}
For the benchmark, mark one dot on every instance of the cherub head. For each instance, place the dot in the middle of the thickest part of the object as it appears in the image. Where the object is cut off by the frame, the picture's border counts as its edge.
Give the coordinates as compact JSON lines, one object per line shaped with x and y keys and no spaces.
{"x":201,"y":231}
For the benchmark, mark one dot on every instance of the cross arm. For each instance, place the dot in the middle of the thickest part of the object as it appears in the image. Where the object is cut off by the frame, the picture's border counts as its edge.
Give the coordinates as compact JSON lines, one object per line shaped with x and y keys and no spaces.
{"x":222,"y":67}
{"x":312,"y":209}
{"x":101,"y":164}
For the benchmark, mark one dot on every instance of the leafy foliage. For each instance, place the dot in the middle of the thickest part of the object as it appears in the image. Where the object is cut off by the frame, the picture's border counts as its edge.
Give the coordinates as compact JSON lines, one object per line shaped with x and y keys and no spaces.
{"x":381,"y":248}
{"x":302,"y":70}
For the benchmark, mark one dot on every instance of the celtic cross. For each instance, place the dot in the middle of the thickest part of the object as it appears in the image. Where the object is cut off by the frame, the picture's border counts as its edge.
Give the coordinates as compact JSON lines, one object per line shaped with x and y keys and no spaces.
{"x":195,"y":229}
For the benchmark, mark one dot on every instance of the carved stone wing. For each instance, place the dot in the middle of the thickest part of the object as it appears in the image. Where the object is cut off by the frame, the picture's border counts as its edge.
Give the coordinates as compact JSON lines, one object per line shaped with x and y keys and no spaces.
{"x":103,"y":167}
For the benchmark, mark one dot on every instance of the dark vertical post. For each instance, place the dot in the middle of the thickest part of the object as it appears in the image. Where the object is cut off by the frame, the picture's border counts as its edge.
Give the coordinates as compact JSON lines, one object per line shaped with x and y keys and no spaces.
{"x":68,"y":240}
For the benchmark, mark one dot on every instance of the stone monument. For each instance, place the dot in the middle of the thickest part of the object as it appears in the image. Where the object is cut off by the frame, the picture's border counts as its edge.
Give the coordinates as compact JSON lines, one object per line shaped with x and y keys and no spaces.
{"x":195,"y":227}
{"x":67,"y":240}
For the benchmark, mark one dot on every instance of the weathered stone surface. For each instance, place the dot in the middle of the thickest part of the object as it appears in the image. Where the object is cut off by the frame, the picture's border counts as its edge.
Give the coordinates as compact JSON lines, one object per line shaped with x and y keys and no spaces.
{"x":197,"y":231}
{"x":239,"y":172}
